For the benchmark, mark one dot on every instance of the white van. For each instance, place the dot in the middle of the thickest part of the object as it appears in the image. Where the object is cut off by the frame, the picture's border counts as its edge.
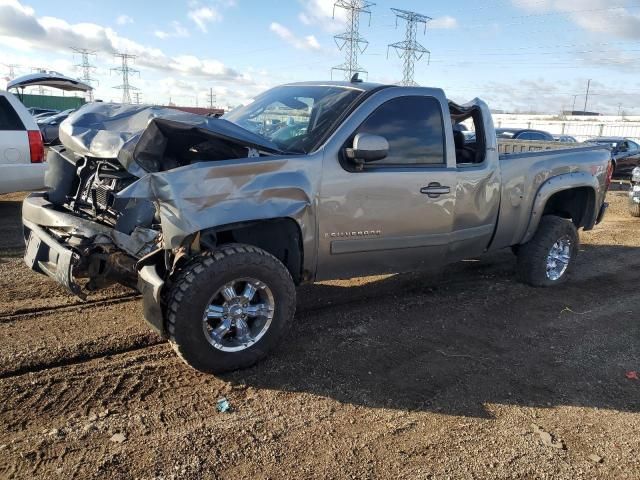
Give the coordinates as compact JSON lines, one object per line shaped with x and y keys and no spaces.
{"x":22,"y":160}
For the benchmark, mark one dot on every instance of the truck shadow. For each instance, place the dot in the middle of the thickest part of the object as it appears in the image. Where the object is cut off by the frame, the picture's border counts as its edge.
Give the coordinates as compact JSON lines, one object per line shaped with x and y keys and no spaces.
{"x":470,"y":337}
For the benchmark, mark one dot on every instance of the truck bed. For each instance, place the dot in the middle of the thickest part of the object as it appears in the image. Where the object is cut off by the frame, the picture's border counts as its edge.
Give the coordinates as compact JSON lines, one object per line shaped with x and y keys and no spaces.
{"x":509,"y":147}
{"x":523,"y":174}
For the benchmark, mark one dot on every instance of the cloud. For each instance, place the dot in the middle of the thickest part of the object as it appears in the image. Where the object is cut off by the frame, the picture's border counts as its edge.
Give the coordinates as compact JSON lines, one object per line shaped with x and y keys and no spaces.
{"x":201,"y":16}
{"x":124,"y":19}
{"x":306,"y":43}
{"x":610,"y":17}
{"x":443,"y":23}
{"x":323,"y":14}
{"x":51,"y":34}
{"x":177,"y":30}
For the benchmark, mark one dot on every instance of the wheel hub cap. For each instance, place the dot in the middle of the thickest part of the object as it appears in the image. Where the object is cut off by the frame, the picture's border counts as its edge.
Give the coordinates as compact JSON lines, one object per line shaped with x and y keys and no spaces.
{"x":558,"y":258}
{"x":238,"y":314}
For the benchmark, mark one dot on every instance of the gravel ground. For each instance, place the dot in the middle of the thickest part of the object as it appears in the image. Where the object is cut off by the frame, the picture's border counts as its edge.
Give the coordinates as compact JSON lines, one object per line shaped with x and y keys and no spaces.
{"x":463,"y":375}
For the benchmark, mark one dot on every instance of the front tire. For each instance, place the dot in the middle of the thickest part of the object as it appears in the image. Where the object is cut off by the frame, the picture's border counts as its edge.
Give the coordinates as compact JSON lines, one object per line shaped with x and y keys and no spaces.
{"x":228,"y":308}
{"x":547,"y":259}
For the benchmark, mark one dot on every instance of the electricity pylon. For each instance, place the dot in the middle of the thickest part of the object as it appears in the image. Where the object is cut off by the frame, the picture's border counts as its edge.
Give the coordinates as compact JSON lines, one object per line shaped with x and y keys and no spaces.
{"x":87,"y":69}
{"x":351,"y":41}
{"x":125,"y":70}
{"x":410,"y":50}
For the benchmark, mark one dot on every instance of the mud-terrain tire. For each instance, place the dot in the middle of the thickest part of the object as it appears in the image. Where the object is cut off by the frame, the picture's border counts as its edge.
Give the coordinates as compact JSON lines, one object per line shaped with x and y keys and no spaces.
{"x":555,"y":235}
{"x":194,"y":290}
{"x":634,"y":209}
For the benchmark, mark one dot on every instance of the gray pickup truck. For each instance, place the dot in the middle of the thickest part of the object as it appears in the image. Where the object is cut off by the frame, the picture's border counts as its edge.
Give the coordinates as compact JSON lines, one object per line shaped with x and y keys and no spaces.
{"x":215,"y":221}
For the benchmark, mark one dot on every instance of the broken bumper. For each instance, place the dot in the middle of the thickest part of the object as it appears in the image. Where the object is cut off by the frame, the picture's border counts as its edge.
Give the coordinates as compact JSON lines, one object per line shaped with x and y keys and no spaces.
{"x":150,"y":286}
{"x":44,"y":253}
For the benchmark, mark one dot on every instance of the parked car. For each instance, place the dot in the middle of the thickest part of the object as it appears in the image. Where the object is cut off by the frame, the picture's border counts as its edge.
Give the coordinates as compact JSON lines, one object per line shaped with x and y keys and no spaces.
{"x":41,"y":111}
{"x":50,"y":125}
{"x":634,"y":193}
{"x":524,"y":134}
{"x":565,"y":139}
{"x":21,"y":147}
{"x":625,"y":154}
{"x":469,"y":136}
{"x":216,"y":225}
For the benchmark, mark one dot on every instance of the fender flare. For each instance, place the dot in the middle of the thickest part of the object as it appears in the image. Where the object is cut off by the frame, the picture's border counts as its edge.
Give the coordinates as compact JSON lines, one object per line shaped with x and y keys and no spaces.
{"x":559,"y":183}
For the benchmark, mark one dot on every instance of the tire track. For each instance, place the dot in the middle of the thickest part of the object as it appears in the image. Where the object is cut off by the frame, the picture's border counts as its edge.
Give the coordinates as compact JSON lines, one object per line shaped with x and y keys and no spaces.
{"x":131,"y":333}
{"x":31,"y":312}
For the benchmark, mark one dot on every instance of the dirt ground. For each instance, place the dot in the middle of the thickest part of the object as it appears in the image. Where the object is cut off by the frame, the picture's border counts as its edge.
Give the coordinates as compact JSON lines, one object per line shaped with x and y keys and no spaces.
{"x":465,"y":375}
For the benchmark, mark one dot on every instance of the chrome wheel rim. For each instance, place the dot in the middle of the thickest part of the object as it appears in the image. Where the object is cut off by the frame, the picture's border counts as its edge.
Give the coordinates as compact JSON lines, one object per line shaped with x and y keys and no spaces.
{"x":559,"y":258}
{"x":238,"y":314}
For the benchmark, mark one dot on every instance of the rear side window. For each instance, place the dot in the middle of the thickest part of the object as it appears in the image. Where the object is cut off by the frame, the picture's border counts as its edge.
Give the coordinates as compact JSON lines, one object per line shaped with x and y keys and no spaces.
{"x":531,"y":136}
{"x":414,"y":129}
{"x":9,"y":119}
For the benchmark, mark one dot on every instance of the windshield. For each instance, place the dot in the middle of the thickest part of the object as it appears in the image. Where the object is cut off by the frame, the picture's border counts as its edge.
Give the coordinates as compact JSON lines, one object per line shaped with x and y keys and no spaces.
{"x":294,"y":117}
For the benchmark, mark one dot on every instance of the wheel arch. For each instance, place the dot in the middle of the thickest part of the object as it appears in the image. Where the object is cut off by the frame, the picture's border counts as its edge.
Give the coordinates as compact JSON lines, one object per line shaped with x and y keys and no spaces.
{"x":571,"y":195}
{"x":281,"y":237}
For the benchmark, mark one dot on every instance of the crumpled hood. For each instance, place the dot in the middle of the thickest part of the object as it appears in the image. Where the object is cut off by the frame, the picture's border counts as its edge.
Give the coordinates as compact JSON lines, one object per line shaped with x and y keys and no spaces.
{"x":140,"y":135}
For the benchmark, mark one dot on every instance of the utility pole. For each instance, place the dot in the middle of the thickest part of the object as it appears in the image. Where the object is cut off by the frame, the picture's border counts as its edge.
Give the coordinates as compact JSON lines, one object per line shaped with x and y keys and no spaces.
{"x":351,"y":41}
{"x":125,"y":70}
{"x":586,"y":97}
{"x":573,"y":109}
{"x":136,"y":95}
{"x":410,"y":50}
{"x":212,"y":98}
{"x":87,"y":69}
{"x":619,"y":108}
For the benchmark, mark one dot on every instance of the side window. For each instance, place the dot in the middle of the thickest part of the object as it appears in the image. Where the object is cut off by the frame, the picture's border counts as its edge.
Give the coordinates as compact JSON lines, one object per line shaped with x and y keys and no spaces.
{"x":633,"y":147}
{"x":9,"y":119}
{"x":413,"y":127}
{"x":531,"y":136}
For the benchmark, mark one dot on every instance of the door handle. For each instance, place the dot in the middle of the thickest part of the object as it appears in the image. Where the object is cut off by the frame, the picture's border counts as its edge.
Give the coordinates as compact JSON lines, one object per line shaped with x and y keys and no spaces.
{"x":435,"y":190}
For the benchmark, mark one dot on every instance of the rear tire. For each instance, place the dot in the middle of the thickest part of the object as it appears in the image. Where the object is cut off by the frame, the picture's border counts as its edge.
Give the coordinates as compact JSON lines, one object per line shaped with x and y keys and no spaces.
{"x":547,"y":259}
{"x":211,"y":344}
{"x":634,"y":209}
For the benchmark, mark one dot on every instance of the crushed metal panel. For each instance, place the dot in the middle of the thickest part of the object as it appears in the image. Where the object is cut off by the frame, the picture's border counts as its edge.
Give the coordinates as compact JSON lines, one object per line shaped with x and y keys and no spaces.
{"x":166,"y":143}
{"x":143,"y":137}
{"x":209,"y":194}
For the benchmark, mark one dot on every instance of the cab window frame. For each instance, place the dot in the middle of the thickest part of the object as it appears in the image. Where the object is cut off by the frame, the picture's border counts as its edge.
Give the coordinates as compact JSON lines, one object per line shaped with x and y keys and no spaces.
{"x":381,"y":165}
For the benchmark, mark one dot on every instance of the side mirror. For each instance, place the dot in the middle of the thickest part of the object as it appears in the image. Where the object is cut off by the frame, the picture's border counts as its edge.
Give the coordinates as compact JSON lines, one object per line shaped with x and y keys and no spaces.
{"x":368,"y":148}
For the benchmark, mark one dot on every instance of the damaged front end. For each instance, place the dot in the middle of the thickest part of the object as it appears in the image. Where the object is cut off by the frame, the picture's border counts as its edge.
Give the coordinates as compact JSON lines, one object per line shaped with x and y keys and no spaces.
{"x":80,"y":230}
{"x":132,"y":188}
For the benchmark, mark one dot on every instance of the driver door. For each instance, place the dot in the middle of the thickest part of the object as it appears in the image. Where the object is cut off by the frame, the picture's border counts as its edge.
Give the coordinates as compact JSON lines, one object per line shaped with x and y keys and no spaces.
{"x":395,"y":214}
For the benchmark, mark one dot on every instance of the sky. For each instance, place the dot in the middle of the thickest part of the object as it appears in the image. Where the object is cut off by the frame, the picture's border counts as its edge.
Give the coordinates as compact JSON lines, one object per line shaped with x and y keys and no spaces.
{"x":518,"y":55}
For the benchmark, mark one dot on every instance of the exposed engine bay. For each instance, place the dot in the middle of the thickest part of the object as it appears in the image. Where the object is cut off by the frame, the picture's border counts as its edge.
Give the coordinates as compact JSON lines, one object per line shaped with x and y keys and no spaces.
{"x":109,"y":234}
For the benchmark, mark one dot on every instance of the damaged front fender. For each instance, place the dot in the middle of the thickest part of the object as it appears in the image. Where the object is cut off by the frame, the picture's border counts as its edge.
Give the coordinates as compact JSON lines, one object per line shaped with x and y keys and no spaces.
{"x":210,"y":194}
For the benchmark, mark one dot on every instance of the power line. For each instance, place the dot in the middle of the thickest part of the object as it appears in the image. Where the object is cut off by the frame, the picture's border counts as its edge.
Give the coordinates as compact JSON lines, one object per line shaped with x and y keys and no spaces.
{"x":87,"y":68}
{"x":351,"y":41}
{"x":410,"y":50}
{"x":125,"y":70}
